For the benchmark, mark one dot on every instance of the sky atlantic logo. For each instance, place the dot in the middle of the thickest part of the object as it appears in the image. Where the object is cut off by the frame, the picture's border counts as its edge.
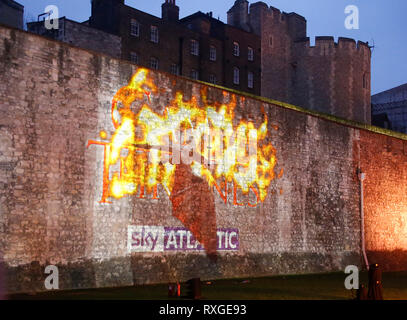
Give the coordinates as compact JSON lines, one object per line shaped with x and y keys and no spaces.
{"x":159,"y":239}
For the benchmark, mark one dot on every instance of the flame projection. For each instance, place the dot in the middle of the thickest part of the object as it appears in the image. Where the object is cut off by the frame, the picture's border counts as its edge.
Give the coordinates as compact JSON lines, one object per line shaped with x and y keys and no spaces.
{"x":147,"y":147}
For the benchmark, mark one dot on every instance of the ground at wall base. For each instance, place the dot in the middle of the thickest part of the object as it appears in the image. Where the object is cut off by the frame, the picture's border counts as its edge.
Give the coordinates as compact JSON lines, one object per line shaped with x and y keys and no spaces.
{"x":326,"y":286}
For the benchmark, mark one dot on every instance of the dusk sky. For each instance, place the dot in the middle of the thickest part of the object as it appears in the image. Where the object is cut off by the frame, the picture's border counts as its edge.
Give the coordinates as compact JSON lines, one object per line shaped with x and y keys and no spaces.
{"x":382,"y":23}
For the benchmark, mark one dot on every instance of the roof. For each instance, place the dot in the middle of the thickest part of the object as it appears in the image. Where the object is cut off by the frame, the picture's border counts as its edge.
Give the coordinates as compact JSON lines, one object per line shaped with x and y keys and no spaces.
{"x":202,"y":15}
{"x":13,"y":4}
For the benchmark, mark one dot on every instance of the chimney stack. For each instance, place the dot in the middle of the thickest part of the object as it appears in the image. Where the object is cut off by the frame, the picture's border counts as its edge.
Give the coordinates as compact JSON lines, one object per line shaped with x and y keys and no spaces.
{"x":170,"y":11}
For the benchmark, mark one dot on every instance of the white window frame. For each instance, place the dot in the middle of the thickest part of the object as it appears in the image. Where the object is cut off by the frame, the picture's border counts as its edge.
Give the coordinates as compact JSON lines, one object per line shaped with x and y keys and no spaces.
{"x":250,"y":80}
{"x":236,"y":49}
{"x":236,"y":75}
{"x":250,"y":53}
{"x":212,"y":78}
{"x":175,"y":69}
{"x":154,"y":63}
{"x":134,"y":57}
{"x":194,"y":74}
{"x":134,"y":28}
{"x":154,"y":36}
{"x":212,"y":53}
{"x":194,"y":47}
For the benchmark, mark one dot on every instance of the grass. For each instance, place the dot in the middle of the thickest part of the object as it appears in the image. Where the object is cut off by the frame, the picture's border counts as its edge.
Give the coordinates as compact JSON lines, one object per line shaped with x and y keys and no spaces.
{"x":328,"y":286}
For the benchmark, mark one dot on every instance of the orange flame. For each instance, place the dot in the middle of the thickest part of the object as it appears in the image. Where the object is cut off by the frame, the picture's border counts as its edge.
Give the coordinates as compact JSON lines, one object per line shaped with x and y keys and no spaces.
{"x":147,"y":145}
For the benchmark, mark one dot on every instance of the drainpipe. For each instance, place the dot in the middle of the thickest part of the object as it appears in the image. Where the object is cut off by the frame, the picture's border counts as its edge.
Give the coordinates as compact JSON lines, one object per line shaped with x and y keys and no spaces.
{"x":362,"y":177}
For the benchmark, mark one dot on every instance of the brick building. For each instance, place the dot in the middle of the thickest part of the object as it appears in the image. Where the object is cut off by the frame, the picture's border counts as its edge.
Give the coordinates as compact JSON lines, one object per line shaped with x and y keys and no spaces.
{"x":80,"y":35}
{"x":389,"y":109}
{"x":197,"y":46}
{"x":260,"y":50}
{"x":329,"y":77}
{"x":11,"y":13}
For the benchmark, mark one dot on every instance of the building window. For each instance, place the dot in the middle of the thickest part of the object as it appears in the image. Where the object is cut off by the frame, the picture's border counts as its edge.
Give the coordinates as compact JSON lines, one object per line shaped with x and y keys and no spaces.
{"x":236,"y":49}
{"x":250,"y":80}
{"x":212,"y":53}
{"x":271,"y":41}
{"x":212,"y":79}
{"x":250,"y":54}
{"x":236,"y":75}
{"x":154,"y":63}
{"x":134,"y":28}
{"x":194,"y":74}
{"x":154,"y":34}
{"x":134,"y":57}
{"x":194,"y":47}
{"x":175,"y":69}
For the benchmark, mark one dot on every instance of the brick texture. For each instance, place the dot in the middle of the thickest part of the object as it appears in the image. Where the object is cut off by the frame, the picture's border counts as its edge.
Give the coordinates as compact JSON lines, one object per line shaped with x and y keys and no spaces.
{"x":54,"y":98}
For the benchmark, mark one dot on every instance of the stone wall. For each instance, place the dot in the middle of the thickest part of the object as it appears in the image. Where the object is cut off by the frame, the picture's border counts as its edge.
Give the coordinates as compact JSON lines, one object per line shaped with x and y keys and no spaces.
{"x":333,"y":77}
{"x":80,"y":35}
{"x":55,"y":99}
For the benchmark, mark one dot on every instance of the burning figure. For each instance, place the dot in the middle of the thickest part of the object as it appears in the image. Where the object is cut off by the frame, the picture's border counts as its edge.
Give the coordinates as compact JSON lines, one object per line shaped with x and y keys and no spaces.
{"x":188,"y":150}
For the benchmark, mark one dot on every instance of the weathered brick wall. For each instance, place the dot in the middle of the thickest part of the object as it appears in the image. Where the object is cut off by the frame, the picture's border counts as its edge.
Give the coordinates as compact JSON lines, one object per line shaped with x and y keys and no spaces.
{"x":329,"y":76}
{"x":55,"y":98}
{"x":385,"y":189}
{"x":276,"y":53}
{"x":81,"y":35}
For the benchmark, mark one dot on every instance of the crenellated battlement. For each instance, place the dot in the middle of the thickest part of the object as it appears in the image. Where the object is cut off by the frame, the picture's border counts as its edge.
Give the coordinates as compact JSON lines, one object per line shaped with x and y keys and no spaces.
{"x":328,"y":42}
{"x":273,"y":13}
{"x":262,"y":17}
{"x":326,"y":74}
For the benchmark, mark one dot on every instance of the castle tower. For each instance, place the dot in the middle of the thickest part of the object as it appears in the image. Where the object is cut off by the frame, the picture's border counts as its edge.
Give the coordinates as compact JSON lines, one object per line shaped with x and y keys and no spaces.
{"x":106,"y":15}
{"x":329,"y":77}
{"x":333,"y":77}
{"x":278,"y":31}
{"x":170,"y":11}
{"x":238,"y":15}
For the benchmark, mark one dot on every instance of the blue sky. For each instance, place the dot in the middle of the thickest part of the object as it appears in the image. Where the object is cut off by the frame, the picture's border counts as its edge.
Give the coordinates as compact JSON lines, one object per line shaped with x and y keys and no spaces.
{"x":382,"y":22}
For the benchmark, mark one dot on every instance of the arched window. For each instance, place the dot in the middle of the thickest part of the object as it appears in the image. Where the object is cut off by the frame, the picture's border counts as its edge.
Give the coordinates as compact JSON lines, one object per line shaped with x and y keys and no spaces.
{"x":212,"y":53}
{"x":236,"y":49}
{"x":250,"y":54}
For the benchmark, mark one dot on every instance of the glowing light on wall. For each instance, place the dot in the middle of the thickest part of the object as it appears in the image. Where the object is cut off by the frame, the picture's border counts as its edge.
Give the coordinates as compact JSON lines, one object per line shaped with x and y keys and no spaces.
{"x":148,"y":145}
